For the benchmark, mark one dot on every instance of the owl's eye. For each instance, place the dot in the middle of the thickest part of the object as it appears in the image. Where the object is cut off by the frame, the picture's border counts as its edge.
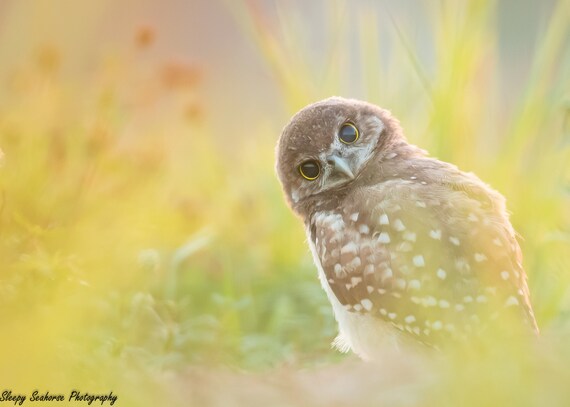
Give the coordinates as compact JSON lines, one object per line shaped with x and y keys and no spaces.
{"x":310,"y":170}
{"x":348,"y":133}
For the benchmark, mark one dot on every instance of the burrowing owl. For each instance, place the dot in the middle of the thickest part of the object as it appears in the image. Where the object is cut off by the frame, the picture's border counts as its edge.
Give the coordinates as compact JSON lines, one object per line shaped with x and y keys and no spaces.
{"x":406,"y":246}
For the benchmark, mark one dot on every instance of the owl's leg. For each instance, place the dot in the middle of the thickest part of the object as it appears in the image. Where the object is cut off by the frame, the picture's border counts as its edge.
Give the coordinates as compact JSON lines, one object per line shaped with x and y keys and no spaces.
{"x":341,"y":343}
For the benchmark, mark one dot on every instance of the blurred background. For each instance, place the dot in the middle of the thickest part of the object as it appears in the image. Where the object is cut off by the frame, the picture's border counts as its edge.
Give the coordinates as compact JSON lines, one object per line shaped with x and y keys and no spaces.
{"x":145,"y":245}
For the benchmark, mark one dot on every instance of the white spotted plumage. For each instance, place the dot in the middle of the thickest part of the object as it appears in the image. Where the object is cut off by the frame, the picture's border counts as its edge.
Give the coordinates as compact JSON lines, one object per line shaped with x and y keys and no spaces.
{"x":405,"y":245}
{"x":423,"y":269}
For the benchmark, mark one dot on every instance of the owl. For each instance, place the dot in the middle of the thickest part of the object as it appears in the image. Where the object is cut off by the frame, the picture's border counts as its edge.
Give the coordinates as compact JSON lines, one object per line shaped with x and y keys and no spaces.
{"x":408,"y":248}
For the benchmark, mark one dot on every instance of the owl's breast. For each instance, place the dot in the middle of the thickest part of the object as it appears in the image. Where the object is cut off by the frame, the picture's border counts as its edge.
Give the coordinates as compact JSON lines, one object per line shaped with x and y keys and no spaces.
{"x":365,"y":335}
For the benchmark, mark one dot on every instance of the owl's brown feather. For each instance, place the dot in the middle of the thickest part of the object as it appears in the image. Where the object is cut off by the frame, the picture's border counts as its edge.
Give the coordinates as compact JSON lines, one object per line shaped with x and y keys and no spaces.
{"x":429,"y":266}
{"x":400,"y":239}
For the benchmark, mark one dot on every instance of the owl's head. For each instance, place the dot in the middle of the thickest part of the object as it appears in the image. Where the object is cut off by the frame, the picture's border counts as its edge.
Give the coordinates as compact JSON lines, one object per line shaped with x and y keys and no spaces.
{"x":327,"y":145}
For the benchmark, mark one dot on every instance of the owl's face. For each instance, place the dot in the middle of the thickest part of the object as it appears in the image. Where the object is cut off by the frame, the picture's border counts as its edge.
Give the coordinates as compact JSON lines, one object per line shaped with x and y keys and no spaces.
{"x":327,"y":145}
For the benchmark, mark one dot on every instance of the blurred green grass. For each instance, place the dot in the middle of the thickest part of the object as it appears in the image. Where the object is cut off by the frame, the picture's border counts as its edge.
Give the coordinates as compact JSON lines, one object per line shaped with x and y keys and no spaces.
{"x":136,"y":242}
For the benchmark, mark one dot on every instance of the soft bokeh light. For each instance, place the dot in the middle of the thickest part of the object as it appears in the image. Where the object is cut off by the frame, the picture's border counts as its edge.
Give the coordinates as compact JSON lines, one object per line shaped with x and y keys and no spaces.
{"x":146,"y":247}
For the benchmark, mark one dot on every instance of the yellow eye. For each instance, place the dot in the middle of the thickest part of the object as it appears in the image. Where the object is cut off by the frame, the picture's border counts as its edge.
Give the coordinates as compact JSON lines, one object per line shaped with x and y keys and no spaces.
{"x":348,"y":133}
{"x":310,"y":170}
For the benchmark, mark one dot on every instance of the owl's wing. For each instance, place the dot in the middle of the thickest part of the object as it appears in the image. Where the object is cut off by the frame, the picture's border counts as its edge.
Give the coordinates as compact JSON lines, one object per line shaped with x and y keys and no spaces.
{"x":432,"y":267}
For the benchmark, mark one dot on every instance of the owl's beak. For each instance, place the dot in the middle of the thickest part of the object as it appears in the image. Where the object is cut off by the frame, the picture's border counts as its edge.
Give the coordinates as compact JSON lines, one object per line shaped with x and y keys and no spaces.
{"x":340,"y":166}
